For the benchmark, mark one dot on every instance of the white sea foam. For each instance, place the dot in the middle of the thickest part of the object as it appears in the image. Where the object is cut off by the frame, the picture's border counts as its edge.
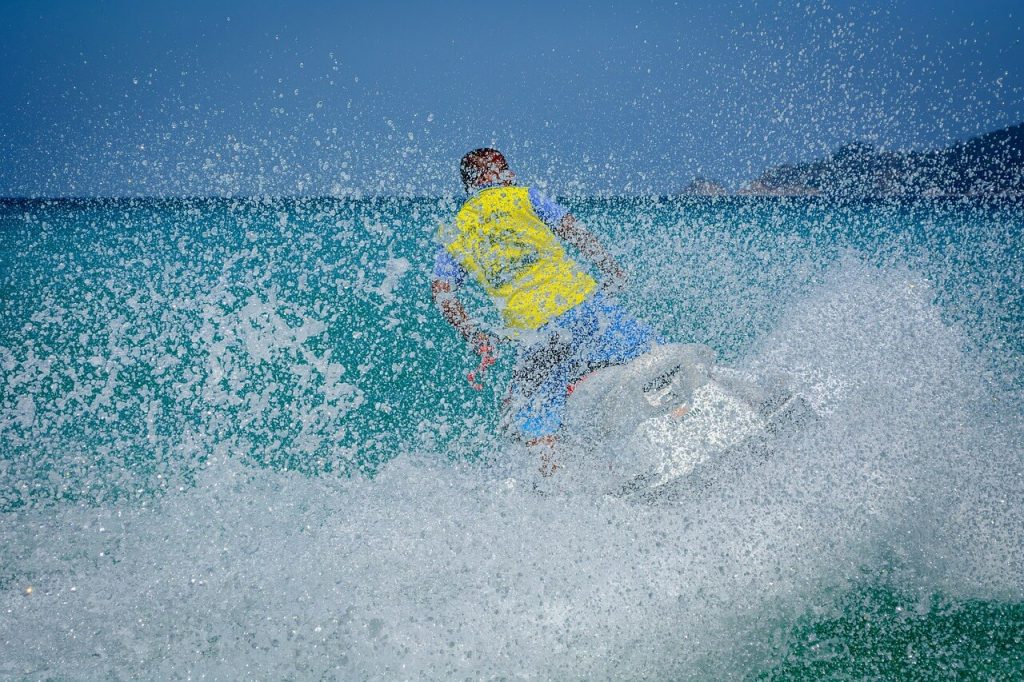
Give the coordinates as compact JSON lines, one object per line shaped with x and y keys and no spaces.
{"x":437,"y":570}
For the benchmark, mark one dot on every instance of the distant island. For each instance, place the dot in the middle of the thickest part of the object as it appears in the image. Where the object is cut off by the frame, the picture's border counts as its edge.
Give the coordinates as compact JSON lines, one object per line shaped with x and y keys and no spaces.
{"x":990,"y":165}
{"x":702,"y":187}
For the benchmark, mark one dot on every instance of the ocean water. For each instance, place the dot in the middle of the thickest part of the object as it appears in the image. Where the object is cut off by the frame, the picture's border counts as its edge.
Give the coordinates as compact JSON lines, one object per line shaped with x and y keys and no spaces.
{"x":237,"y":440}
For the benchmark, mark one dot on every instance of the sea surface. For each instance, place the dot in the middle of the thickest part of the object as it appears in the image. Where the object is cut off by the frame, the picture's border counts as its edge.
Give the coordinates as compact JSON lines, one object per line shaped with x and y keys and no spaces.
{"x":237,"y":441}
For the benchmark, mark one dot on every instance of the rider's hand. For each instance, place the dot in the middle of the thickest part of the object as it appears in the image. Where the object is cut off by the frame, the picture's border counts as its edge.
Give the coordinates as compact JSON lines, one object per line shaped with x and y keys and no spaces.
{"x":484,"y":343}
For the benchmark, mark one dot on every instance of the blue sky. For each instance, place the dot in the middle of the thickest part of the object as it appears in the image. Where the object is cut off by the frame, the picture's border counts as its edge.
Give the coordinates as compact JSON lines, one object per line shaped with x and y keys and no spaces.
{"x":122,"y":98}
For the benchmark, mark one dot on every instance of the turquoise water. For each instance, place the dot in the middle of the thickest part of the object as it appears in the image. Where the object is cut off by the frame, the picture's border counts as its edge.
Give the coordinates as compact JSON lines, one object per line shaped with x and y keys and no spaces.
{"x":235,"y":435}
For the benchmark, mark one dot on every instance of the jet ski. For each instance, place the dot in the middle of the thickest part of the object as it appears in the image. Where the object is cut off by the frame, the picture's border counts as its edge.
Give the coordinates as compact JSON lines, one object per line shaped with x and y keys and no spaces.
{"x":672,"y":420}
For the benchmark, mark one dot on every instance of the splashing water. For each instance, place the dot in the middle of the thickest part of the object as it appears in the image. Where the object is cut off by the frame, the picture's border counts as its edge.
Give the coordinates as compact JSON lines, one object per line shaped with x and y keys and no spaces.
{"x":236,"y":436}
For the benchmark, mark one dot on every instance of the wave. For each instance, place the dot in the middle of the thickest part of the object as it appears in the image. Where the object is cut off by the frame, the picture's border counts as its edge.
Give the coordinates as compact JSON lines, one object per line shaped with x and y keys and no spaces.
{"x":436,"y":568}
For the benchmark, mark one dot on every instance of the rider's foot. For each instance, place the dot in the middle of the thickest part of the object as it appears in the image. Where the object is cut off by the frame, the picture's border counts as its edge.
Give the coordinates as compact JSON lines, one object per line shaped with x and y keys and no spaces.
{"x":548,"y":466}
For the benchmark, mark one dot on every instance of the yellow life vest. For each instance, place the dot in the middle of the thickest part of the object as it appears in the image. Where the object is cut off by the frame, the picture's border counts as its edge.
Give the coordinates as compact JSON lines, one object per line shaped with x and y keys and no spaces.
{"x":521,"y":264}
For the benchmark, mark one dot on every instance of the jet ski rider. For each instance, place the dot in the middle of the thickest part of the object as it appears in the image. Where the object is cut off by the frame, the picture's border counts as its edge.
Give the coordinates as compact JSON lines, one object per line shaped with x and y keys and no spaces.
{"x":511,"y":239}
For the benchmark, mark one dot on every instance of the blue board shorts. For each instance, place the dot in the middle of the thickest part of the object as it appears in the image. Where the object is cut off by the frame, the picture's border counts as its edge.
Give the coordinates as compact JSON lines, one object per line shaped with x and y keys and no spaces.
{"x":596,"y":333}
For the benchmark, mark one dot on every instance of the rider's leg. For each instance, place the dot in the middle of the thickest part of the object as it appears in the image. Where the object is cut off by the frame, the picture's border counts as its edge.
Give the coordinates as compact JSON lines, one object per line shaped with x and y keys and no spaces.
{"x":544,"y":446}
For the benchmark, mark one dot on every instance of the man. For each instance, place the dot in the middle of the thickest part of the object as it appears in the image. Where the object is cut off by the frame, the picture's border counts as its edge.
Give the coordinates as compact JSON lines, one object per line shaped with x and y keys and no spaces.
{"x":510,"y":238}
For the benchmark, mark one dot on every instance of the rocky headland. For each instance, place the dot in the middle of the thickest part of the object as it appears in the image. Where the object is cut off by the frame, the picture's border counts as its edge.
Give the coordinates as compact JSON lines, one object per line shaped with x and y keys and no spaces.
{"x":702,"y":187}
{"x":990,"y":165}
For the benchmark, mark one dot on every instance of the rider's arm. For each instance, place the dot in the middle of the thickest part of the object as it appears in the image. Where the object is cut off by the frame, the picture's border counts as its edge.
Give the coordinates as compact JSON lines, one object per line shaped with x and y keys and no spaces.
{"x":570,"y":230}
{"x":448,"y":277}
{"x":454,"y":313}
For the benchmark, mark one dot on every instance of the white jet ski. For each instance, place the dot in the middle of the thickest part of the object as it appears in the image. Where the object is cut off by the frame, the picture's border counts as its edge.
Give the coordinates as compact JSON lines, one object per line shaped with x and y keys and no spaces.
{"x":670,"y":420}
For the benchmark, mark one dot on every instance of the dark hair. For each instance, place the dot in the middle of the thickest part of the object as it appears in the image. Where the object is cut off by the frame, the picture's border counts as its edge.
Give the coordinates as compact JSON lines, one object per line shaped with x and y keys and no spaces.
{"x":478,"y":162}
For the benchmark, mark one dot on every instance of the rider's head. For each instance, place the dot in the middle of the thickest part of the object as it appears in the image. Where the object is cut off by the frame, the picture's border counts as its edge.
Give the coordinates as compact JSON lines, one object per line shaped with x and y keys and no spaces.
{"x":485,"y":166}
